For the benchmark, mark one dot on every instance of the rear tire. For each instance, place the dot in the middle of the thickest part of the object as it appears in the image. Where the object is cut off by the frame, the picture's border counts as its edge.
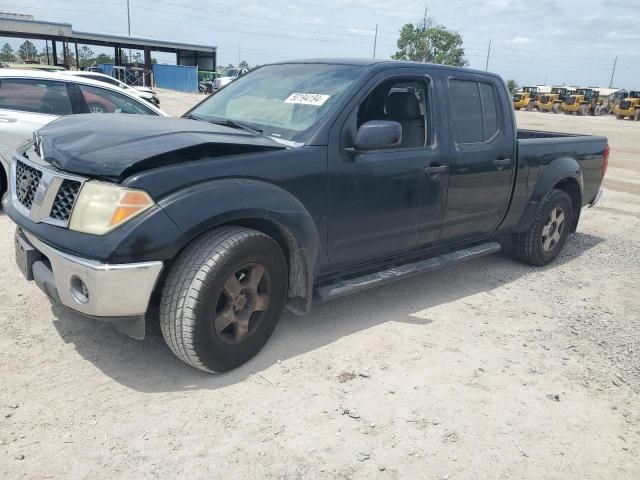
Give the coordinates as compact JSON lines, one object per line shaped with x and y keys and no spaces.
{"x":543,"y":242}
{"x":637,"y":117}
{"x":223,"y":297}
{"x":557,"y":108}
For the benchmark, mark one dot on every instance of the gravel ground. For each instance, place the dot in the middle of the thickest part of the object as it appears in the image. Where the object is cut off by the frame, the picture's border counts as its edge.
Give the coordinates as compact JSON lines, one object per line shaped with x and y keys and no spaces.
{"x":491,"y":369}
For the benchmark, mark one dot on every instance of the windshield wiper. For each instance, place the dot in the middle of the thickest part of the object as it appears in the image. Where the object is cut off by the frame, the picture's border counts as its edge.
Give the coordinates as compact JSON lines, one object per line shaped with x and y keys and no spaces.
{"x":237,"y":125}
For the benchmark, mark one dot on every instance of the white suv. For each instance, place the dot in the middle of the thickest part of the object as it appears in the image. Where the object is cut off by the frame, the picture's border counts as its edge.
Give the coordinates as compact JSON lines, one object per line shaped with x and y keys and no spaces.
{"x":30,"y":99}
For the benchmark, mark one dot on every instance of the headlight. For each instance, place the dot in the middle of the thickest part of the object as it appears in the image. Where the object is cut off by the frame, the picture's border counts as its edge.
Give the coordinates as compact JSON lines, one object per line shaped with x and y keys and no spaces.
{"x":103,"y":207}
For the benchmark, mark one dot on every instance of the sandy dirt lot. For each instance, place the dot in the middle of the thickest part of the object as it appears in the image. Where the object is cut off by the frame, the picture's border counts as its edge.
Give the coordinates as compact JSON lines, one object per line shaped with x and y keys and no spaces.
{"x":490,"y":370}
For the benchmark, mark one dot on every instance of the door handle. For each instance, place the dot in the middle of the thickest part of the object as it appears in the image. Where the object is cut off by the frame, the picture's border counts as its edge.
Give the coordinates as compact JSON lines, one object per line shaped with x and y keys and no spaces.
{"x":502,"y":162}
{"x":435,"y":168}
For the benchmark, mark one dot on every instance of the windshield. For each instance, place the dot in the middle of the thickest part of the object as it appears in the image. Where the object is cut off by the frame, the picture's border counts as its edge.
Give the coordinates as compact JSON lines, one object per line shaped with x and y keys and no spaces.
{"x":284,"y":101}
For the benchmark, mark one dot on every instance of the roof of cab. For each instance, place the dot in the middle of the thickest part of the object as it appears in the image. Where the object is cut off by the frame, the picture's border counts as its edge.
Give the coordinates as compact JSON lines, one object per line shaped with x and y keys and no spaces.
{"x":370,"y":62}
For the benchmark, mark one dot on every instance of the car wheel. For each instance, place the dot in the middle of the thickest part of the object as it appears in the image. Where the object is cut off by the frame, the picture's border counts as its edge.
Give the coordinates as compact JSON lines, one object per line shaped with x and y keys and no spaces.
{"x":542,"y":243}
{"x":223,"y":297}
{"x":96,"y":107}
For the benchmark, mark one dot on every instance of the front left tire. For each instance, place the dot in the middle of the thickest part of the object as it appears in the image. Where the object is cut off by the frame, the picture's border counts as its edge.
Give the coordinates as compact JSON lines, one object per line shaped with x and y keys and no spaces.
{"x":223,"y":297}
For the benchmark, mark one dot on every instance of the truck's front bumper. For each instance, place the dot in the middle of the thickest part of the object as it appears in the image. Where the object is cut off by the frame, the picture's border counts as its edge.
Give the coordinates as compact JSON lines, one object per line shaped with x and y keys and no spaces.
{"x":114,"y":292}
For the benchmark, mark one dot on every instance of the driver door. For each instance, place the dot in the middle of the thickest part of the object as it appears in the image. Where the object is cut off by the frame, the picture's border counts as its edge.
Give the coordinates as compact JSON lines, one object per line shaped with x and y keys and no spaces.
{"x":383,"y":202}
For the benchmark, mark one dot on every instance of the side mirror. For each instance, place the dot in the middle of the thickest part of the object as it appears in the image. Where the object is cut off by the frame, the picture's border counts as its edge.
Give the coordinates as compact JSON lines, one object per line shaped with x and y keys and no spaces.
{"x":378,"y":134}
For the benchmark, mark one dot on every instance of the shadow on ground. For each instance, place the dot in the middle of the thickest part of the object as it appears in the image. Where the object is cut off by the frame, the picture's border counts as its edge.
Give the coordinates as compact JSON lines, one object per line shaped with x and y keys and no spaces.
{"x":149,"y":366}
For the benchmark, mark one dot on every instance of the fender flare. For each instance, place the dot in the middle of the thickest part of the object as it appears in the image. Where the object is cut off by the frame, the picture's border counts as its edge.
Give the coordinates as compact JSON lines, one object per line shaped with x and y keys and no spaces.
{"x":559,"y":170}
{"x":204,"y":206}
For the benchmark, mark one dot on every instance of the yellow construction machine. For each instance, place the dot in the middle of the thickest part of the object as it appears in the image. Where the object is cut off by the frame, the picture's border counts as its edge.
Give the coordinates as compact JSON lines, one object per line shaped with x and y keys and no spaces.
{"x":585,"y":101}
{"x":525,"y":98}
{"x":629,"y":107}
{"x":552,"y":102}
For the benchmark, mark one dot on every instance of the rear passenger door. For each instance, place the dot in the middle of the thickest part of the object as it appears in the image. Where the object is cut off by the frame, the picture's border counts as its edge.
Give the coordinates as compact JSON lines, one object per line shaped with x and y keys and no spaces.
{"x":482,"y":157}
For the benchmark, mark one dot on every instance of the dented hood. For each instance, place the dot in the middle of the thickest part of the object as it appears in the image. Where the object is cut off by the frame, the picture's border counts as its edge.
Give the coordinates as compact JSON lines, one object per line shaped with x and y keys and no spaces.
{"x":117,"y":145}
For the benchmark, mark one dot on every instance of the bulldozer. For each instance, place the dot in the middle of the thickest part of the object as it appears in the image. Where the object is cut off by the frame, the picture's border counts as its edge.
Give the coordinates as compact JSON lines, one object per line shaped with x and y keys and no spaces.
{"x":525,"y":98}
{"x":629,"y":107}
{"x":552,"y":102}
{"x":585,"y":101}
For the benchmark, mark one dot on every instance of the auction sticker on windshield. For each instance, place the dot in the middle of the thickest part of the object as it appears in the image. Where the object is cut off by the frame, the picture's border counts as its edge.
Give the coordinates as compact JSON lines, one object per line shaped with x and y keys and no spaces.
{"x":316,"y":99}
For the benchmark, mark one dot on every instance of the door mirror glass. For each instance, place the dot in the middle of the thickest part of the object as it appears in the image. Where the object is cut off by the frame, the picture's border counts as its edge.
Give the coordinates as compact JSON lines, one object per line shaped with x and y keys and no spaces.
{"x":378,"y":134}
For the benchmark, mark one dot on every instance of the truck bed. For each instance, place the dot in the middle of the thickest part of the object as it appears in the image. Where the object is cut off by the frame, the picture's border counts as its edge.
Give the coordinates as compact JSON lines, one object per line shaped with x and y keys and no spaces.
{"x":529,"y":134}
{"x":537,"y":150}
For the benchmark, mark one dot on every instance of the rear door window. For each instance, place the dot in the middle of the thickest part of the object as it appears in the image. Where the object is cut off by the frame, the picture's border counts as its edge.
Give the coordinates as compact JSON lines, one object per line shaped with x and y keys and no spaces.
{"x":34,"y":96}
{"x":475,"y":111}
{"x":489,"y":111}
{"x":101,"y":100}
{"x":467,"y":111}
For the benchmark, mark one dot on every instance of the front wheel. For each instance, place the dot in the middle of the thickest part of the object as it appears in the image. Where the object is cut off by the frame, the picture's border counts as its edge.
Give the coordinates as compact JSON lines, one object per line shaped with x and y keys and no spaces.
{"x":223,"y":297}
{"x":543,"y":242}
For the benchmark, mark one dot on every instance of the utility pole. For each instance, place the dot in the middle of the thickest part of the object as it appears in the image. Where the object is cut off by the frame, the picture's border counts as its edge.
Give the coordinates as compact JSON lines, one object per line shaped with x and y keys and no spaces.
{"x":615,"y":62}
{"x":129,"y":24}
{"x":239,"y":54}
{"x":375,"y":42}
{"x":486,"y":67}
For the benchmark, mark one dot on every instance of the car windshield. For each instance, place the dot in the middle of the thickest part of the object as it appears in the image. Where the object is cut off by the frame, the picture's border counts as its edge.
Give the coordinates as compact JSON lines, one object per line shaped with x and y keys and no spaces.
{"x":285,"y":101}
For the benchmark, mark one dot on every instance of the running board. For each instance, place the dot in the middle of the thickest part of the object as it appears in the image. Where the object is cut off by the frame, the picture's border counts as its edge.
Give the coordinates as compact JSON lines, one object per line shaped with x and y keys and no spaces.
{"x":359,"y":284}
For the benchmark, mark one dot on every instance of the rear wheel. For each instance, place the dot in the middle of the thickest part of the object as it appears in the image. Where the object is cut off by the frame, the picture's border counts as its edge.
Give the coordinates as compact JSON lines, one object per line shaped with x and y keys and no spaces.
{"x":637,"y":117}
{"x":557,"y":108}
{"x":583,"y":111}
{"x":223,"y":298}
{"x":543,"y":242}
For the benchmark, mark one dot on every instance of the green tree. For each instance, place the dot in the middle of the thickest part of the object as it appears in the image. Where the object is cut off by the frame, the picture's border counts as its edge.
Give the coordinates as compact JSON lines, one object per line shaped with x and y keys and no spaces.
{"x":429,"y":42}
{"x":27,"y":51}
{"x":243,"y":64}
{"x":104,"y":58}
{"x":6,"y":53}
{"x":512,"y":85}
{"x":86,"y":56}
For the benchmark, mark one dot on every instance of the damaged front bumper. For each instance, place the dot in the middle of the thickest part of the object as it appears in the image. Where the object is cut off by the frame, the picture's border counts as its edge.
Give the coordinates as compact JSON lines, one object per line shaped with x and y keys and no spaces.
{"x":118,"y":293}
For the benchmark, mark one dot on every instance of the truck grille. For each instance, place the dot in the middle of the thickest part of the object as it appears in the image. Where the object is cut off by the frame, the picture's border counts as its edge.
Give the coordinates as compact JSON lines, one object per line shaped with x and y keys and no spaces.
{"x":43,"y":194}
{"x":27,"y":181}
{"x":65,"y":199}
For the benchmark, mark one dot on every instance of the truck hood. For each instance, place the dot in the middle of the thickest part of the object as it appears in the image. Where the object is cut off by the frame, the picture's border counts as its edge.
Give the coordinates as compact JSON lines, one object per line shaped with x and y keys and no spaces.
{"x":118,"y":145}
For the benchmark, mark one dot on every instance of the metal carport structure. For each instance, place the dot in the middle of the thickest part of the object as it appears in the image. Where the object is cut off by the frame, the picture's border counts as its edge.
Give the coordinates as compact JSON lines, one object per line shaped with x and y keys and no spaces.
{"x":201,"y":56}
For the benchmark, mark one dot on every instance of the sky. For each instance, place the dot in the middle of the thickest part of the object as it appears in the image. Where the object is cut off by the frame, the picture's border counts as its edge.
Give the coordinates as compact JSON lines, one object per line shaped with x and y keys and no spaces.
{"x":572,"y":42}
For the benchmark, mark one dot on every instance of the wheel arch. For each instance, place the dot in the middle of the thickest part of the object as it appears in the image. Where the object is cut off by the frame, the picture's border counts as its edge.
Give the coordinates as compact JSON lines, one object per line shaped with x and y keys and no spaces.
{"x":263,"y":207}
{"x":563,"y":173}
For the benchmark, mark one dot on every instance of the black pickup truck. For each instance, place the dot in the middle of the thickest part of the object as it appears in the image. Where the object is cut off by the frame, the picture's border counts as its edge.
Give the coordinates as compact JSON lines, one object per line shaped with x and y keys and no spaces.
{"x":299,"y":181}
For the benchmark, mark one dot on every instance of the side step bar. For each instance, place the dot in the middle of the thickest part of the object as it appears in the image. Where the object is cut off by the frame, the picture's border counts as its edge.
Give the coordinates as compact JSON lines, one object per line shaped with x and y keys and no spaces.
{"x":359,"y":284}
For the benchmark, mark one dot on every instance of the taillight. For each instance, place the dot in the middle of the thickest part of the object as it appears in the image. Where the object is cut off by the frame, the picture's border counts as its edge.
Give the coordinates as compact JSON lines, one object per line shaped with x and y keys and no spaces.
{"x":605,"y":161}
